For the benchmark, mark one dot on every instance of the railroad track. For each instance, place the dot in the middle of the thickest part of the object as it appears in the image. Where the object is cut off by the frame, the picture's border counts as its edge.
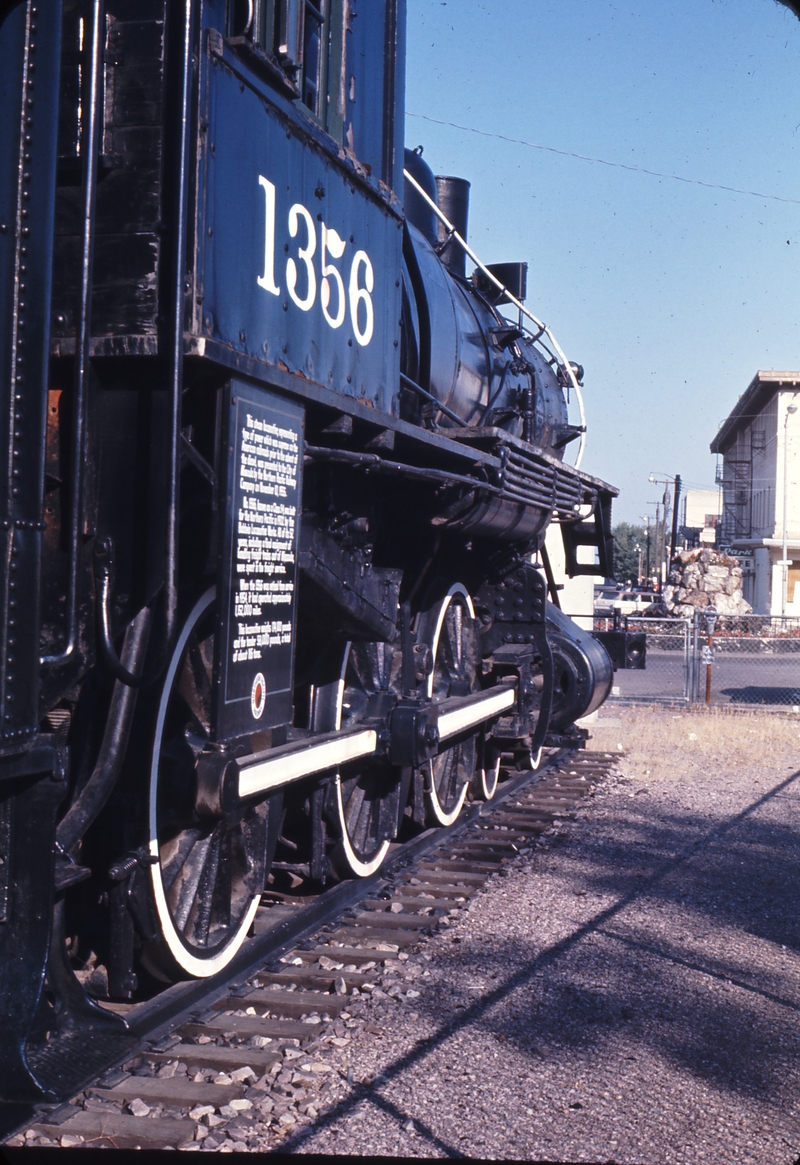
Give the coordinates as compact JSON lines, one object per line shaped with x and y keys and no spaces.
{"x":241,"y":1058}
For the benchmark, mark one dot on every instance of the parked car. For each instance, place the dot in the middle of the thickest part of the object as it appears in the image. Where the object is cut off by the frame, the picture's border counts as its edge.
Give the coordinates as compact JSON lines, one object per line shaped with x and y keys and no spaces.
{"x":634,"y":602}
{"x":605,"y":598}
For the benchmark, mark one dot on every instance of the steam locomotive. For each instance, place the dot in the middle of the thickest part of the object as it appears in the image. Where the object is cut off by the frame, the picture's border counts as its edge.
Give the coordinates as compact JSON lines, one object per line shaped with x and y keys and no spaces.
{"x":274,"y":589}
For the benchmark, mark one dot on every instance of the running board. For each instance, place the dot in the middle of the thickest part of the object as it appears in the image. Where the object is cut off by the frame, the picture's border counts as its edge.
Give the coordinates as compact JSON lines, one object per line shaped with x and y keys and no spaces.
{"x":270,"y":770}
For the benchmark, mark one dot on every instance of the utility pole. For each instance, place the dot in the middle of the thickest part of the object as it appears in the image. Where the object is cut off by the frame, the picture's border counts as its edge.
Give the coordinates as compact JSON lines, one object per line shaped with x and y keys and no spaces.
{"x":648,"y":552}
{"x":659,"y":544}
{"x":666,"y":555}
{"x":675,"y":517}
{"x":646,"y":520}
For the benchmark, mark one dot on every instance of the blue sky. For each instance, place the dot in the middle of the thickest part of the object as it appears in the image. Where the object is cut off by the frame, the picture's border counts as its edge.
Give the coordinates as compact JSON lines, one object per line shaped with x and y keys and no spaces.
{"x":670,"y":294}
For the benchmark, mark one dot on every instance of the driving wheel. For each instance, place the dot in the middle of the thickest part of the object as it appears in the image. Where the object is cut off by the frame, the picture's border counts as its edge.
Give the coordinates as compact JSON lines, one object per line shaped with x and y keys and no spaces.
{"x":363,"y":800}
{"x":449,"y":629}
{"x":207,"y":873}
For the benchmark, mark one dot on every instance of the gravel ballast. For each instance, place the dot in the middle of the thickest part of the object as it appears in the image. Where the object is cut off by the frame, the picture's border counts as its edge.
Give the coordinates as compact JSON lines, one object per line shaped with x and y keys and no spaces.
{"x":627,"y":992}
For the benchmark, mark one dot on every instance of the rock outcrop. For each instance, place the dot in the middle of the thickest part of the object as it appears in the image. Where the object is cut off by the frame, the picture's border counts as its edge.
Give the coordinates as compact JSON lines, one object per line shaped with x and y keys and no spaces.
{"x":700,"y":578}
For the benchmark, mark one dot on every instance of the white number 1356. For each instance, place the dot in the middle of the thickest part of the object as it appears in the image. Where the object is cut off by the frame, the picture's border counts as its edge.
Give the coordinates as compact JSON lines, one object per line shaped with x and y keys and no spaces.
{"x":301,"y":274}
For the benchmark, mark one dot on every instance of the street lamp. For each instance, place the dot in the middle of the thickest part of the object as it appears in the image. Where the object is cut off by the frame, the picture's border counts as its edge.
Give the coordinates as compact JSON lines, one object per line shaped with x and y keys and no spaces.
{"x":676,"y":482}
{"x":790,"y":408}
{"x":646,"y":520}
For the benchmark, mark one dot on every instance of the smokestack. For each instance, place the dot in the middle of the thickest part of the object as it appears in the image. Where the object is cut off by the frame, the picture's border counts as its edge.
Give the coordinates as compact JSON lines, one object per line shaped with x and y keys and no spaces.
{"x":453,"y":199}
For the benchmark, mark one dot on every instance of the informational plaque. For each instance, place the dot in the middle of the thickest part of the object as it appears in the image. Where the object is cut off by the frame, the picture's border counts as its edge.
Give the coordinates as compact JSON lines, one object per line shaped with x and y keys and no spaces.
{"x":255,"y":644}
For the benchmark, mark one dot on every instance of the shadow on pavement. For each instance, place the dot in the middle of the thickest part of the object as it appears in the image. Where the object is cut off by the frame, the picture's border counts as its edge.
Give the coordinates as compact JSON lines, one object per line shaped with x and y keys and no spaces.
{"x":760,"y":695}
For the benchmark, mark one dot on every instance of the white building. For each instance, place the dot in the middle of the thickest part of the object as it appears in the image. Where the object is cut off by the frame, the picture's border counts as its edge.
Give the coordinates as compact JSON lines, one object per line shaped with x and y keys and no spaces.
{"x":701,"y":511}
{"x":760,"y":447}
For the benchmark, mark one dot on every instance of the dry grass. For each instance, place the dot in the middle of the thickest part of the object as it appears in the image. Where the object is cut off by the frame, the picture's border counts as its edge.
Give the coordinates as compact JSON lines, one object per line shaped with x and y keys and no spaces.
{"x":665,"y":743}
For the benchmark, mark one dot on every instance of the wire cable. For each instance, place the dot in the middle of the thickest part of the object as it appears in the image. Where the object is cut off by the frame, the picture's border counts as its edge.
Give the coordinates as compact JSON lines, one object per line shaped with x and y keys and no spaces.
{"x":601,"y":161}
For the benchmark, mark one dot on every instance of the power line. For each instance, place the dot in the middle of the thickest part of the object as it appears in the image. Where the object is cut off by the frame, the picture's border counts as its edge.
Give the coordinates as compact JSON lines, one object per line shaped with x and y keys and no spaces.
{"x":602,"y":161}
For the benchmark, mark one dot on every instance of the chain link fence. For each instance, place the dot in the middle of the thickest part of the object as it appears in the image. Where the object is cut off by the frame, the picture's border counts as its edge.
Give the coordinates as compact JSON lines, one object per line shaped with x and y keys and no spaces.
{"x":668,"y":675}
{"x":754,"y":661}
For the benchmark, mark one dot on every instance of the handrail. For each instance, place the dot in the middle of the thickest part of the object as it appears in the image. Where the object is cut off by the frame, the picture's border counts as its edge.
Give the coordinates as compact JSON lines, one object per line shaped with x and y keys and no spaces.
{"x":89,"y":144}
